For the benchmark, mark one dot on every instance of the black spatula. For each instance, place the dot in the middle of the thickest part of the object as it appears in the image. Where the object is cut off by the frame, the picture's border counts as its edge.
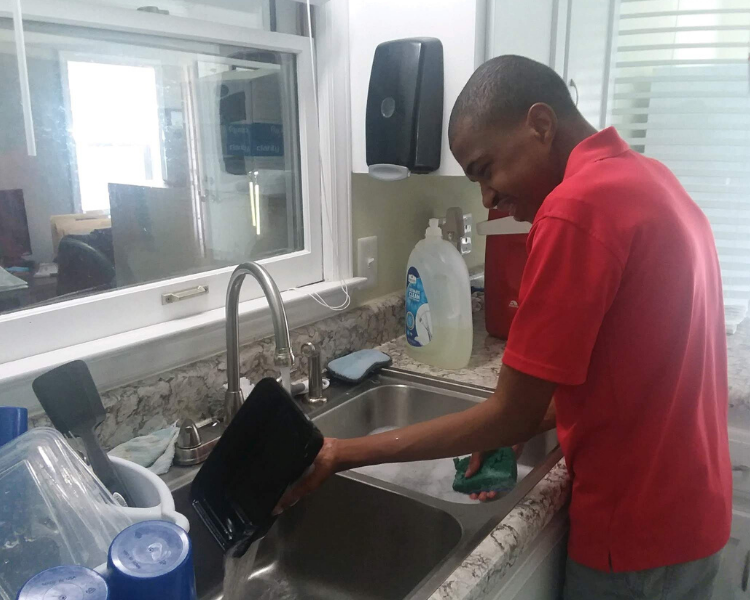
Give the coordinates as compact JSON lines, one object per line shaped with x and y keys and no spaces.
{"x":70,"y":398}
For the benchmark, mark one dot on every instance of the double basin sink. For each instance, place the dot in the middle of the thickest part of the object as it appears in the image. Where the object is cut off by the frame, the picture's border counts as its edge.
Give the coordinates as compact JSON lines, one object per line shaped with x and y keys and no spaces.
{"x":365,"y":534}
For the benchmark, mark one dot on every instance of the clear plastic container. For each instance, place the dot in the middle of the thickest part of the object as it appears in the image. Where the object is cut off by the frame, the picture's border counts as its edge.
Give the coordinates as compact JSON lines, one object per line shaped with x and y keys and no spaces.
{"x":53,"y":510}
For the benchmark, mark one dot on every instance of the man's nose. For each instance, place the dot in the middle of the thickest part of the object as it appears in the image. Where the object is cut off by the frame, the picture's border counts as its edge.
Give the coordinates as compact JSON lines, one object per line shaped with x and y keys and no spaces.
{"x":488,"y":195}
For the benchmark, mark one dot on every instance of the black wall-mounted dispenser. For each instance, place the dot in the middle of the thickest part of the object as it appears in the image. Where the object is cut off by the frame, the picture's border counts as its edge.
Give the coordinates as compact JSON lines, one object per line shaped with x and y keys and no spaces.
{"x":404,"y":118}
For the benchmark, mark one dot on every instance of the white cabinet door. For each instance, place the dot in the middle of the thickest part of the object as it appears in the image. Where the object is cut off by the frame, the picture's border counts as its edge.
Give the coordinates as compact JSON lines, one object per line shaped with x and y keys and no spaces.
{"x":523,"y":28}
{"x":539,"y":574}
{"x":574,"y":37}
{"x":733,"y":581}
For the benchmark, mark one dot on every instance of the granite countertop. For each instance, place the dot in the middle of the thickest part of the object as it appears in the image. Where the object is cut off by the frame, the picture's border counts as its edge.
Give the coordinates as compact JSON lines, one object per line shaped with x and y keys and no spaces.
{"x":493,"y":557}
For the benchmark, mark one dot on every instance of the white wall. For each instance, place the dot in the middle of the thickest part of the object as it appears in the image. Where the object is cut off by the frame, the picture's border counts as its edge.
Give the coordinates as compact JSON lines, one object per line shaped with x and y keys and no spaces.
{"x":398,"y":213}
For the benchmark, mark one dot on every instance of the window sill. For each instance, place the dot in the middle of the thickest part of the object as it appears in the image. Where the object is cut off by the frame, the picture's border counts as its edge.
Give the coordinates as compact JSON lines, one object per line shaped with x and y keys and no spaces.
{"x":134,"y":355}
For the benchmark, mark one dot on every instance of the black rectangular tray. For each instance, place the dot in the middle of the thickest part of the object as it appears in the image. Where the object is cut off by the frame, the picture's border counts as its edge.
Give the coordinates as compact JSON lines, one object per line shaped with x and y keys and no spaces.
{"x":268,"y":445}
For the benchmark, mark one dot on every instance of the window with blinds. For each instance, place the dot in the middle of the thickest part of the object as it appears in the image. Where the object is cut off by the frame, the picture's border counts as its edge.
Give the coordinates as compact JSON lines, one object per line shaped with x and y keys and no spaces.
{"x":681,"y":94}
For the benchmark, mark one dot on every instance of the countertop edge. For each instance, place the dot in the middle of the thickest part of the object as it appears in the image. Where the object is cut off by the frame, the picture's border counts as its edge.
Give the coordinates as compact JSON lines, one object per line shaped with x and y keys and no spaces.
{"x":497,"y":553}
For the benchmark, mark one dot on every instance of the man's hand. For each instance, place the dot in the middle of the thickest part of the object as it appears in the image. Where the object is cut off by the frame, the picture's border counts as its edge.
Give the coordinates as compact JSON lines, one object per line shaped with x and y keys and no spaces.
{"x":323,"y":467}
{"x":475,"y":463}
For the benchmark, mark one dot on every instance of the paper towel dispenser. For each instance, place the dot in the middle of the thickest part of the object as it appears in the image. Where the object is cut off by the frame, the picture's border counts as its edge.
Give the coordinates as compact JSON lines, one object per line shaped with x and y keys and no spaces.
{"x":404,"y":117}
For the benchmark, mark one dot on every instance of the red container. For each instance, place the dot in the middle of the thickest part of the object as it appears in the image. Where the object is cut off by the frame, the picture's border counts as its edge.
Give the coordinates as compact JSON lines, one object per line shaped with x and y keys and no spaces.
{"x":504,"y":261}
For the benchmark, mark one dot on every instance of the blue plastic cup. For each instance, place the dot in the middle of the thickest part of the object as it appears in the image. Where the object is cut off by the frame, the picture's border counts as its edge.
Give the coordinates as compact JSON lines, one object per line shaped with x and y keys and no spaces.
{"x":14,"y":421}
{"x":152,"y":560}
{"x":70,"y":582}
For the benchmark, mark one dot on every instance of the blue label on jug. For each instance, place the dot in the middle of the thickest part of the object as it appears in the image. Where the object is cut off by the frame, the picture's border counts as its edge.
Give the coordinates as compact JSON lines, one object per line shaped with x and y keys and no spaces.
{"x":418,"y":322}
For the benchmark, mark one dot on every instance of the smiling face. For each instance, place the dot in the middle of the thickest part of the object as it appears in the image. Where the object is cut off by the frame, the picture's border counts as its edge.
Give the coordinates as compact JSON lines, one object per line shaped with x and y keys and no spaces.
{"x":516,"y":166}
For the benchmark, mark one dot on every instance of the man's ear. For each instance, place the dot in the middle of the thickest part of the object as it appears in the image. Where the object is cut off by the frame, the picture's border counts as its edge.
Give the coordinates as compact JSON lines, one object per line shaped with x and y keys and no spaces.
{"x":542,"y":120}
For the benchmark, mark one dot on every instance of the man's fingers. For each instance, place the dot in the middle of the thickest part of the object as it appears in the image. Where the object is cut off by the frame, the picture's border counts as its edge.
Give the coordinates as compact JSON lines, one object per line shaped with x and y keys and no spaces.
{"x":294,"y":495}
{"x":287,"y":500}
{"x":475,"y":463}
{"x":484,"y":496}
{"x":315,"y":475}
{"x":291,"y":498}
{"x":303,"y":486}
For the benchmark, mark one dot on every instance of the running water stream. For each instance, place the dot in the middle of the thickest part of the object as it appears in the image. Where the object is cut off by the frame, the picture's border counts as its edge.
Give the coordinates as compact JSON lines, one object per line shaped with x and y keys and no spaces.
{"x":243,"y":582}
{"x":286,"y":378}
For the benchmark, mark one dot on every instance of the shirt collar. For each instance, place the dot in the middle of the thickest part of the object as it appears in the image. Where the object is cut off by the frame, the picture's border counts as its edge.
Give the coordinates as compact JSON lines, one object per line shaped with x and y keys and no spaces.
{"x":603,"y":144}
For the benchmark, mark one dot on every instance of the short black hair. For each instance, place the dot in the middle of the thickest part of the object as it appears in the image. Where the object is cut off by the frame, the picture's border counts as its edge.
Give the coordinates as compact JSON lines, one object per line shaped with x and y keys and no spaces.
{"x":504,"y":88}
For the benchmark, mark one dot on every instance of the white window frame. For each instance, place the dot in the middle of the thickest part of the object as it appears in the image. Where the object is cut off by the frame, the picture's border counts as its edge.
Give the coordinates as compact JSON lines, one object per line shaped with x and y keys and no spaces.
{"x":132,"y":322}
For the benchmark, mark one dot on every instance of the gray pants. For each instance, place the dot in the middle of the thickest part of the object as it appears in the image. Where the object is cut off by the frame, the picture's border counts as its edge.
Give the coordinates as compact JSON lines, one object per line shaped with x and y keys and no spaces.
{"x":686,"y":581}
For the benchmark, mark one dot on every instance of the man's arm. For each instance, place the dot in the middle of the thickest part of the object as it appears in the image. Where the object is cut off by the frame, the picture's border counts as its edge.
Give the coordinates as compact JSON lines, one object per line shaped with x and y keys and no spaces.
{"x":511,"y":415}
{"x":550,"y":418}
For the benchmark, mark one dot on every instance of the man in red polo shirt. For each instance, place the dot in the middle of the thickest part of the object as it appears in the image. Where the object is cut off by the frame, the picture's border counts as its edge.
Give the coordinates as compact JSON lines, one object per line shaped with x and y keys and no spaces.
{"x":620,"y":318}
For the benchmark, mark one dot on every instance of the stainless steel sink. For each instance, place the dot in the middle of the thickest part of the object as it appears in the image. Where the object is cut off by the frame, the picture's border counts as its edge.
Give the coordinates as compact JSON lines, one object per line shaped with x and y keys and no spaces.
{"x":388,"y":404}
{"x":349,"y":540}
{"x":362,"y":536}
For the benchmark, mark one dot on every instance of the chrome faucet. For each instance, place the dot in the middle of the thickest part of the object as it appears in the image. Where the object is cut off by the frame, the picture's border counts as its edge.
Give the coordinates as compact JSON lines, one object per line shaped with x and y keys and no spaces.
{"x":233,"y":398}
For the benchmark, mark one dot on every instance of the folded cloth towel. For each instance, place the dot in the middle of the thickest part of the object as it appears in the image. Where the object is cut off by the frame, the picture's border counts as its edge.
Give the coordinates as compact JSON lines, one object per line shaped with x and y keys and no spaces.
{"x":155,"y":450}
{"x":354,"y":367}
{"x":499,"y":473}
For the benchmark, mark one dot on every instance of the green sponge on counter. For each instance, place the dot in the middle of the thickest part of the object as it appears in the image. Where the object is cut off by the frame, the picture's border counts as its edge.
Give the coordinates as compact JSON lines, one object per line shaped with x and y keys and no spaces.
{"x":499,"y":473}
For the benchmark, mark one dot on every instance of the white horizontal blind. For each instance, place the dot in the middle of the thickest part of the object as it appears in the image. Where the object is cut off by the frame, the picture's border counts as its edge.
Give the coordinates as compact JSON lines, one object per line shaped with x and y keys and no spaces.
{"x":682,"y":96}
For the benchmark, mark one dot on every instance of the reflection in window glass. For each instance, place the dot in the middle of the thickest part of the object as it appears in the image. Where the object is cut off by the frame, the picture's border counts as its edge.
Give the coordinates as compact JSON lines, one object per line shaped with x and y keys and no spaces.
{"x":115,"y":127}
{"x":156,"y":158}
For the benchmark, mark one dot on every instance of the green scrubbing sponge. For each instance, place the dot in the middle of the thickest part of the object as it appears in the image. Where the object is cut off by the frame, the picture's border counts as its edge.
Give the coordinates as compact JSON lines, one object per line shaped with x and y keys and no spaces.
{"x":499,"y":473}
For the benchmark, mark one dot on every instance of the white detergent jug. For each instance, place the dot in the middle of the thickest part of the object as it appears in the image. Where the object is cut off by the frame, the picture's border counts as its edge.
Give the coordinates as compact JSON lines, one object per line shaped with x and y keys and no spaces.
{"x":438,"y":303}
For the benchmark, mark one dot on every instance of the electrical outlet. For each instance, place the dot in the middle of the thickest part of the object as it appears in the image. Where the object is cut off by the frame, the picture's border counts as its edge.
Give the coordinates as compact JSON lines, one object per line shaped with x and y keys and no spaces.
{"x":367,"y":260}
{"x":465,"y":245}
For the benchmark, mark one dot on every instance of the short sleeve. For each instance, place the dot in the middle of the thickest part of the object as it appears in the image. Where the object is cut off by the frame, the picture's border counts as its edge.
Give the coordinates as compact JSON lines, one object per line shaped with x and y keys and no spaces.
{"x":568,"y":285}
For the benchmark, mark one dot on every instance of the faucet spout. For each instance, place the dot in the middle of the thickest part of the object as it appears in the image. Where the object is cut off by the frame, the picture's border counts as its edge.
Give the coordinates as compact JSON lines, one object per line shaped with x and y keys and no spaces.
{"x":233,"y":398}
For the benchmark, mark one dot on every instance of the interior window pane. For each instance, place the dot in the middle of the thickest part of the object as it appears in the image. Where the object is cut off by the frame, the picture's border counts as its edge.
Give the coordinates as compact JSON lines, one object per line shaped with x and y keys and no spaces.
{"x":156,"y":158}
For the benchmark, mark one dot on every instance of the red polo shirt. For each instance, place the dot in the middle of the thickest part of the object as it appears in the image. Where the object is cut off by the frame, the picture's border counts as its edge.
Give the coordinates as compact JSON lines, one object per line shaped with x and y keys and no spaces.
{"x":621,"y":304}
